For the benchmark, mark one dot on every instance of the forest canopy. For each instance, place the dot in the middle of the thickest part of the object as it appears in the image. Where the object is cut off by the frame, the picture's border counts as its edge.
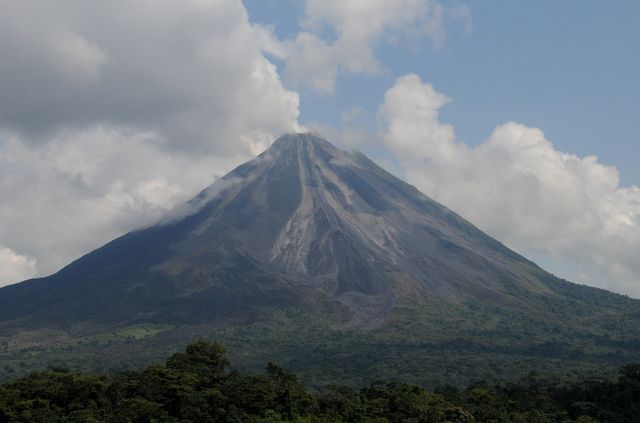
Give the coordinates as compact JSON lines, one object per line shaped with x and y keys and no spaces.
{"x":196,"y":386}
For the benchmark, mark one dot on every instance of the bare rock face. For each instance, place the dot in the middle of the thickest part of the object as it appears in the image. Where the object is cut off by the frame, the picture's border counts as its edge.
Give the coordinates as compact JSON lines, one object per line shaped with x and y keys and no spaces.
{"x":336,"y":223}
{"x":303,"y":223}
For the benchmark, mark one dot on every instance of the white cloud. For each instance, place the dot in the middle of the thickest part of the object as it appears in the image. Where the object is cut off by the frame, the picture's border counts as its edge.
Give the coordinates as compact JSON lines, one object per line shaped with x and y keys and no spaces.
{"x":113,"y":112}
{"x":68,"y":196}
{"x":519,"y":188}
{"x":14,"y":267}
{"x":193,"y":70}
{"x":344,"y":137}
{"x":341,"y":36}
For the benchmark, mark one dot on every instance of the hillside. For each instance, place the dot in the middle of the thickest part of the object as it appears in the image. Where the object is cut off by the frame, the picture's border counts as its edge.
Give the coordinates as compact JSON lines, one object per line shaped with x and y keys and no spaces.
{"x":320,"y":260}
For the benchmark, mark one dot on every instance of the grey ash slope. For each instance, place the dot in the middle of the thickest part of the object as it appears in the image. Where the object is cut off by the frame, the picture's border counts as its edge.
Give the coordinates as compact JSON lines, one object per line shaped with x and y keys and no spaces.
{"x":310,"y":227}
{"x":305,"y":221}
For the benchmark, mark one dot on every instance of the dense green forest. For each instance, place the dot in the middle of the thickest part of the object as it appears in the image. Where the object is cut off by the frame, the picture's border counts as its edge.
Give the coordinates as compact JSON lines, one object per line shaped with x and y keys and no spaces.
{"x":195,"y":386}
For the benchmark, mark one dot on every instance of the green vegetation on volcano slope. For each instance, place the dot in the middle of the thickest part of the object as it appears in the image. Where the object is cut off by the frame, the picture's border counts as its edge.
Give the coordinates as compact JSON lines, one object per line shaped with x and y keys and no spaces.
{"x":423,"y":340}
{"x":430,"y":343}
{"x":194,"y":386}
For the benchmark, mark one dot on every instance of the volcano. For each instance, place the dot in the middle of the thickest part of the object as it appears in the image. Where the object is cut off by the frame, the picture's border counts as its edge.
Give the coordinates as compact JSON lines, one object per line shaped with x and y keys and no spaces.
{"x":319,"y":259}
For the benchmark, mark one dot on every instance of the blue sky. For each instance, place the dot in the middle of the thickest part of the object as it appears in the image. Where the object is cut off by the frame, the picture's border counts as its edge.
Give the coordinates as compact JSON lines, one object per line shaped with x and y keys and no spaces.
{"x":570,"y":68}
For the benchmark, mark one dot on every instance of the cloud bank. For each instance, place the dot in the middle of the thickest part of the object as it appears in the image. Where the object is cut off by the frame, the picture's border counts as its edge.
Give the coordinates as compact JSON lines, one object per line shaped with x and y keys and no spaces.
{"x":518,"y":187}
{"x":192,"y":70}
{"x":113,"y":112}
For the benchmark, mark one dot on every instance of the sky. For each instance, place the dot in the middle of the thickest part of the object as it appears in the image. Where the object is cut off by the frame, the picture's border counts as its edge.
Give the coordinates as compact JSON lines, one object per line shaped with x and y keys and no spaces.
{"x":519,"y":116}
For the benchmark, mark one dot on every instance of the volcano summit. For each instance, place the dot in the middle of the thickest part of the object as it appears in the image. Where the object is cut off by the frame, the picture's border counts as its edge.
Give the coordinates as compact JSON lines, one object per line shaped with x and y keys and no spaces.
{"x":321,"y":260}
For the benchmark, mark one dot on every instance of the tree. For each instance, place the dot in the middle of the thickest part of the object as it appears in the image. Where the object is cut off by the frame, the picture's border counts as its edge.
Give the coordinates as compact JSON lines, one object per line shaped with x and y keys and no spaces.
{"x":207,"y":360}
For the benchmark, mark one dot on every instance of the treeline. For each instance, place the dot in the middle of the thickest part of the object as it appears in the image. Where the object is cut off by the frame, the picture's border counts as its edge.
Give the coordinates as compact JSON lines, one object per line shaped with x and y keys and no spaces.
{"x":195,"y":386}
